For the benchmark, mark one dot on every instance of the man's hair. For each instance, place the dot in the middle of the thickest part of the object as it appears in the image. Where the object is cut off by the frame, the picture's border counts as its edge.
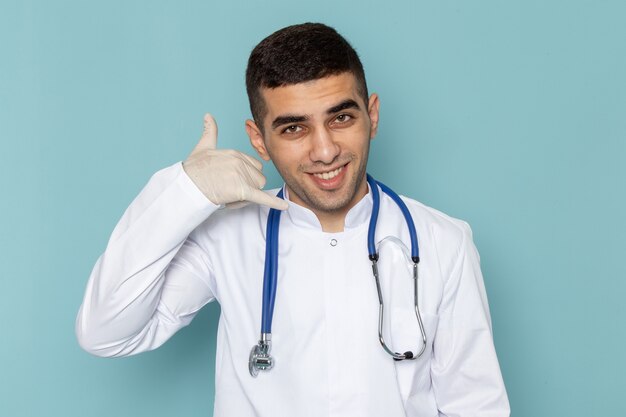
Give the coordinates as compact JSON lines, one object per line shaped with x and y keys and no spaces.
{"x":297,"y":54}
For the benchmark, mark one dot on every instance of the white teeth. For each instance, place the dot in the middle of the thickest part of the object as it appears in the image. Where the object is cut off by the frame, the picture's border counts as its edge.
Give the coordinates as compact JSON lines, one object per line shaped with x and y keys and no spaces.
{"x":329,"y":175}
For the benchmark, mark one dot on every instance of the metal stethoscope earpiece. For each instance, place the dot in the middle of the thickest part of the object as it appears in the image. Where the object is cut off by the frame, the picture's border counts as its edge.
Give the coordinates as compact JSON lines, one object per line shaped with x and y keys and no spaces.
{"x":408,"y":354}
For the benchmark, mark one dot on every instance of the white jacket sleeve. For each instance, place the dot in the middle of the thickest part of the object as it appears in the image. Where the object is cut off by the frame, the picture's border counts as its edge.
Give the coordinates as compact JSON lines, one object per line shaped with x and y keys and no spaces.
{"x":465,"y":371}
{"x":152,"y":279}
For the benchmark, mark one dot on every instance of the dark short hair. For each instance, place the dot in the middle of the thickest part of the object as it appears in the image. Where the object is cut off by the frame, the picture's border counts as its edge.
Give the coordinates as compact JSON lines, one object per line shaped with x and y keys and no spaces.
{"x":296,"y":54}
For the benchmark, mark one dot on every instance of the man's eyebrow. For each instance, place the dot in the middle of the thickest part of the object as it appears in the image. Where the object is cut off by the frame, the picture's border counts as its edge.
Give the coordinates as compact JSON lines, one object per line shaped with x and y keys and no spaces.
{"x":292,"y":118}
{"x":346,"y":104}
{"x":286,"y":119}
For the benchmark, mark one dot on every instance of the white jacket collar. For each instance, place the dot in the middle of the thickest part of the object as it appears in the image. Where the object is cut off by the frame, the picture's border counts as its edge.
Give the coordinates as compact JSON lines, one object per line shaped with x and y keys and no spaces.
{"x":303,"y":217}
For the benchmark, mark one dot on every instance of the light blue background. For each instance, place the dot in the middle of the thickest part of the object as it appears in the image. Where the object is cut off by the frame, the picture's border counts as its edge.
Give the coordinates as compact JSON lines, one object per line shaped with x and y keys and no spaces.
{"x":510,"y":115}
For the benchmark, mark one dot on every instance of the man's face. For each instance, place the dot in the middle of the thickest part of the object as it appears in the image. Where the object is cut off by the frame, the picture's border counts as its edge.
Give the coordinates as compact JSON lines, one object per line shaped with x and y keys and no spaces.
{"x":317,"y":134}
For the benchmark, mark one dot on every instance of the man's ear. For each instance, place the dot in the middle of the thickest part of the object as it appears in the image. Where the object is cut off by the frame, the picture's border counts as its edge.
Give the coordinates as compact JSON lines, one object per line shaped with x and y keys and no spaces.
{"x":373,"y":111}
{"x":256,"y":139}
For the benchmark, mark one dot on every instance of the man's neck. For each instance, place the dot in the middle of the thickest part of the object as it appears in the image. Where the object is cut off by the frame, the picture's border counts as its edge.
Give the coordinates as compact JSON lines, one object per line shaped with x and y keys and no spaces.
{"x":332,"y":223}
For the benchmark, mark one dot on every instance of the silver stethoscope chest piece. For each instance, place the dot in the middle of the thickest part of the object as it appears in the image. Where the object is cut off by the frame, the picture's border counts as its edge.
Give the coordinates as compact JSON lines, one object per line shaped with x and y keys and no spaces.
{"x":260,"y":358}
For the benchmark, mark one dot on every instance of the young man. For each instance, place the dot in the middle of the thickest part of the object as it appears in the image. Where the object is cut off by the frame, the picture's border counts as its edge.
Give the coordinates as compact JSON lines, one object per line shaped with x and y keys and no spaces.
{"x":173,"y":251}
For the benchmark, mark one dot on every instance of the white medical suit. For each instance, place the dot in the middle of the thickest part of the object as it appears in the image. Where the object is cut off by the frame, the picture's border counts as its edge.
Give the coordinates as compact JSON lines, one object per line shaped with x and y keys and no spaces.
{"x":173,"y":251}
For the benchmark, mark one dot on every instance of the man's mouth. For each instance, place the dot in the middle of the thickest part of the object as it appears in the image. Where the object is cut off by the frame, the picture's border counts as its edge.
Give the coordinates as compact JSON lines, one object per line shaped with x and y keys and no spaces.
{"x":331,"y":179}
{"x":329,"y":174}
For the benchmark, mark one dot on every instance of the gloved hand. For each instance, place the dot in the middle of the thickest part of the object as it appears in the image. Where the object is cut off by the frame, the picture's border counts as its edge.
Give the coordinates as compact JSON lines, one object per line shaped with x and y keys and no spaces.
{"x":227,"y":176}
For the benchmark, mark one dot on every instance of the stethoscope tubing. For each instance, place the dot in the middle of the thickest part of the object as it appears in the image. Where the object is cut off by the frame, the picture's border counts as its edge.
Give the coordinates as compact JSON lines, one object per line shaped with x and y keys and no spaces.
{"x":271,"y":268}
{"x":415,"y":253}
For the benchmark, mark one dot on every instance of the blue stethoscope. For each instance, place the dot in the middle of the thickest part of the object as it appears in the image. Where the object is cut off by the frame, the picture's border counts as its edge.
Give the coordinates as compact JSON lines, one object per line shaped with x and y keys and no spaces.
{"x":260,"y":358}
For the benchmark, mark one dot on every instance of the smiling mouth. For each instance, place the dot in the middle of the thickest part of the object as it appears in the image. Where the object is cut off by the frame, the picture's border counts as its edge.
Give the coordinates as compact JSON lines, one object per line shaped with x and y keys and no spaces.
{"x":330,"y":174}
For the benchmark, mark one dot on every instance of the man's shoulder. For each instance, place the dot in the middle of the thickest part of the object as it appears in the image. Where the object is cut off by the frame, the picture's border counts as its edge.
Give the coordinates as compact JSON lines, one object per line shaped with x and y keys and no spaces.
{"x":449,"y":235}
{"x":437,"y":221}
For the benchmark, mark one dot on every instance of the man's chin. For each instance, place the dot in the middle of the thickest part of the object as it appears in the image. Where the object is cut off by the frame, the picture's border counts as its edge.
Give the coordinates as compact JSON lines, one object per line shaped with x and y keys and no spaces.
{"x":334,"y":201}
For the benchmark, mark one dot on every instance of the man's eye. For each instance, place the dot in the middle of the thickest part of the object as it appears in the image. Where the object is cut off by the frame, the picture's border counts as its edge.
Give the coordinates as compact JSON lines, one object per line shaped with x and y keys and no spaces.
{"x":292,"y":129}
{"x":342,"y":118}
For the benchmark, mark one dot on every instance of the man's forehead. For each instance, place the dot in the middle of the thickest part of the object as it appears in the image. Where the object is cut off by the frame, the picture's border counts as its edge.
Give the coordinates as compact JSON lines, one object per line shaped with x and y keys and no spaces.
{"x":311,"y":96}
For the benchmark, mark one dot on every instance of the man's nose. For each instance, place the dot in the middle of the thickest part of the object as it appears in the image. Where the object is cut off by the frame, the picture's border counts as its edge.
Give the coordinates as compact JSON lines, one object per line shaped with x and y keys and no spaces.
{"x":323,"y":148}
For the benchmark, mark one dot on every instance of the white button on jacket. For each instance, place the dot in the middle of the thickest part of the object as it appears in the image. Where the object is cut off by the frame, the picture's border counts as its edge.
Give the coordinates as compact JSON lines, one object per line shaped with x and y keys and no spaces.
{"x":173,"y":251}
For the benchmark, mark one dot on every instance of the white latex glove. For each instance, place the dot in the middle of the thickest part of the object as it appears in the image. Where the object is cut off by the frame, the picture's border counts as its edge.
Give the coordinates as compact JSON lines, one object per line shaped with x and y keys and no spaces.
{"x":227,"y":176}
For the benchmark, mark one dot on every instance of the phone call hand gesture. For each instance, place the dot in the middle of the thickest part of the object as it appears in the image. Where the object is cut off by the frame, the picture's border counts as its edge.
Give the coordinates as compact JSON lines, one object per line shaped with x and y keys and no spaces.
{"x":227,"y":176}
